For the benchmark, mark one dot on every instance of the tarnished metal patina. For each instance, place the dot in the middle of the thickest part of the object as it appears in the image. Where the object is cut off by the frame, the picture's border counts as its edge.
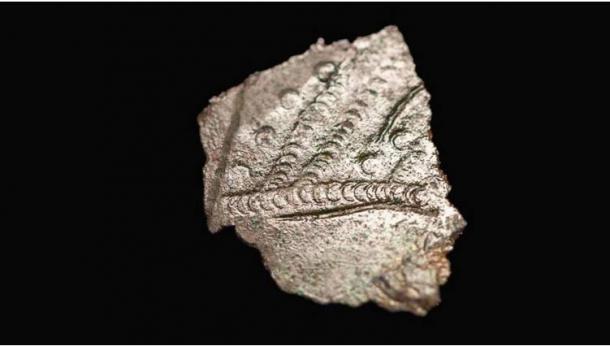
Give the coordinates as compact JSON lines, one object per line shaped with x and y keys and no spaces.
{"x":325,"y":163}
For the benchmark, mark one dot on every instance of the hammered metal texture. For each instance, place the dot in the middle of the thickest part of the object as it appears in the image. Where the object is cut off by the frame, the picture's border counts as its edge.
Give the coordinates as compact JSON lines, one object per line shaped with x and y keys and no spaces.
{"x":325,"y":163}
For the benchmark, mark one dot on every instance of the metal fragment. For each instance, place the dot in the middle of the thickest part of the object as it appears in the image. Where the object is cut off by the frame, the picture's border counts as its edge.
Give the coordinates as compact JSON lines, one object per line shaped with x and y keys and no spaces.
{"x":325,"y":163}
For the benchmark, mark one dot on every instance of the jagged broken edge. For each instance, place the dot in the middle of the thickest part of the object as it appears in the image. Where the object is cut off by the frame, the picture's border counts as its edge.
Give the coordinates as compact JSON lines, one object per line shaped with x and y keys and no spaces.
{"x":215,"y":226}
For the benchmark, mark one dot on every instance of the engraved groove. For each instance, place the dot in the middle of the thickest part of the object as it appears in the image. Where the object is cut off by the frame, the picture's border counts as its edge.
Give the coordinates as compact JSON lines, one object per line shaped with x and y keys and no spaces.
{"x":313,"y":199}
{"x":397,"y":109}
{"x":226,"y":147}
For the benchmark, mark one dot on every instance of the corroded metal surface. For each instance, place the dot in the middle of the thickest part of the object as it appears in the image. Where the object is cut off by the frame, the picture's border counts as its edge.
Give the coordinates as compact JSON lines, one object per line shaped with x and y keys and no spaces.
{"x":325,"y":163}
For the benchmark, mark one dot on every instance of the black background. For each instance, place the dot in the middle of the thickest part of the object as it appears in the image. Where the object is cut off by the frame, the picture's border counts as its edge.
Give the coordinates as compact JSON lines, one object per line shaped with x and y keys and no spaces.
{"x":512,"y":89}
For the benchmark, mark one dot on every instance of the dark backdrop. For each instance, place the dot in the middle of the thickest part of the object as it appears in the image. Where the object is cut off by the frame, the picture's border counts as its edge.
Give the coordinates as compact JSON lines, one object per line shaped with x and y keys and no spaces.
{"x":512,"y":87}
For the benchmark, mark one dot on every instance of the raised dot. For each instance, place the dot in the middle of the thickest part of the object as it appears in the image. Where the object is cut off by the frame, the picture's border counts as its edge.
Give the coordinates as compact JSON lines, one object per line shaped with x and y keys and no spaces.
{"x":279,"y":201}
{"x":288,"y":158}
{"x":360,"y":192}
{"x":312,"y":114}
{"x":265,"y":202}
{"x":242,"y":204}
{"x":381,"y":193}
{"x":289,"y":98}
{"x":302,"y":129}
{"x":402,"y":139}
{"x":371,"y":190}
{"x":321,"y":108}
{"x":347,"y":125}
{"x":420,"y":196}
{"x":328,"y":98}
{"x":396,"y":192}
{"x":348,"y":192}
{"x":304,"y":194}
{"x":354,"y":113}
{"x":369,"y":165}
{"x":252,"y":203}
{"x":240,"y":171}
{"x":231,"y":205}
{"x":318,"y":190}
{"x":334,"y":192}
{"x":325,"y":70}
{"x":264,"y":136}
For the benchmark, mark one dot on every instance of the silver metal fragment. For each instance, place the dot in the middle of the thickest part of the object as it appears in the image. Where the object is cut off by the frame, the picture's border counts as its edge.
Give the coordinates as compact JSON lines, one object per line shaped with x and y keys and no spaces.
{"x":325,"y":163}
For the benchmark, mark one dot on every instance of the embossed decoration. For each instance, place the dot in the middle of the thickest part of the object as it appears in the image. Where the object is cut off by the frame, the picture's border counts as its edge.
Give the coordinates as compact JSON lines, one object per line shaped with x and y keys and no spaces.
{"x":325,"y":163}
